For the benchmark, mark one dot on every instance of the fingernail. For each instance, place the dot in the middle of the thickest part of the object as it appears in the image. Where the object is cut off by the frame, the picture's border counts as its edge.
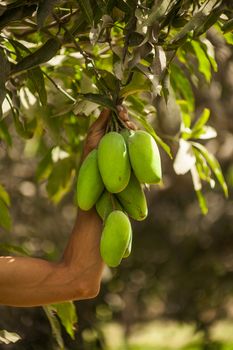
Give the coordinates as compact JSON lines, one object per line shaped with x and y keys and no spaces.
{"x":131,"y":125}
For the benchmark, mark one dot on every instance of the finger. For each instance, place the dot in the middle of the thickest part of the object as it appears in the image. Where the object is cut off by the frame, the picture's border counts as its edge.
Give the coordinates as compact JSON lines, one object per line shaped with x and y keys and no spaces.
{"x":123,"y":113}
{"x":96,"y":131}
{"x":131,"y":125}
{"x":101,"y":122}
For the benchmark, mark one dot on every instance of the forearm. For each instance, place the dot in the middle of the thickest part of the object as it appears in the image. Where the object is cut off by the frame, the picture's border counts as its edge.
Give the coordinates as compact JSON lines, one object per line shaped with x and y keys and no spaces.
{"x":83,"y":246}
{"x":28,"y":281}
{"x":31,"y":281}
{"x":34,"y":282}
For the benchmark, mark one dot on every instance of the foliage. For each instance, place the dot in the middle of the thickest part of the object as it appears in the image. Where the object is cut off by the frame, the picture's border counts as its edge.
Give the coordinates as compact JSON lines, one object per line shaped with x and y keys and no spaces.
{"x":62,"y":61}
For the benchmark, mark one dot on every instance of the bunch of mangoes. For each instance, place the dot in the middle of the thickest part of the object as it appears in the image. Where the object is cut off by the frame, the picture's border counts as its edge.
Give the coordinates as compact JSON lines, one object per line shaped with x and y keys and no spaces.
{"x":111,"y":178}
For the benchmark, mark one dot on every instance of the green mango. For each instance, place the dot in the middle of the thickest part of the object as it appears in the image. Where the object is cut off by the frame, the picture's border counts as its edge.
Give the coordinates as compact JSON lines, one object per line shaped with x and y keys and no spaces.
{"x":115,"y":238}
{"x":106,"y":204}
{"x":89,"y":183}
{"x":133,"y":199}
{"x":144,"y":157}
{"x":113,"y":161}
{"x":129,"y":247}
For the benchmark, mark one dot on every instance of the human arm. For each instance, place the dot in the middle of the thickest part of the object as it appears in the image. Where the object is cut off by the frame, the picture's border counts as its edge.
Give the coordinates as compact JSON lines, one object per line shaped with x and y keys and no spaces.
{"x":26,"y":281}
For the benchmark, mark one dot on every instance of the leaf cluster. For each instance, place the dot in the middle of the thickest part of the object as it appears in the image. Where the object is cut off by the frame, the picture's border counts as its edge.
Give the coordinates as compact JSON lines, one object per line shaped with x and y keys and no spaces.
{"x":62,"y":61}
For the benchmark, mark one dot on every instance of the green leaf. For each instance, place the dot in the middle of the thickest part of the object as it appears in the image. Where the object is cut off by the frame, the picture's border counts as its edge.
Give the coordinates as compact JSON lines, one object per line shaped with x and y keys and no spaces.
{"x":44,"y":167}
{"x":198,"y":19}
{"x":55,"y":326}
{"x":5,"y":218}
{"x":203,"y":169}
{"x":21,"y":127}
{"x":4,"y":71}
{"x":137,"y":84}
{"x":87,"y":10}
{"x":109,"y":80}
{"x":84,"y":107}
{"x":214,"y":165}
{"x":20,"y":49}
{"x":132,"y":89}
{"x":4,"y":133}
{"x":124,"y":6}
{"x":202,"y":202}
{"x":157,"y":12}
{"x":185,"y":115}
{"x":210,"y":53}
{"x":181,"y":85}
{"x":4,"y":195}
{"x":37,"y":79}
{"x":229,"y":38}
{"x":197,"y":187}
{"x":228,"y":26}
{"x":45,"y":8}
{"x":205,"y":133}
{"x":202,"y":120}
{"x":13,"y":249}
{"x":16,"y":13}
{"x":203,"y":62}
{"x":68,"y":316}
{"x":60,"y":179}
{"x":98,"y":99}
{"x":41,"y":55}
{"x":209,"y":20}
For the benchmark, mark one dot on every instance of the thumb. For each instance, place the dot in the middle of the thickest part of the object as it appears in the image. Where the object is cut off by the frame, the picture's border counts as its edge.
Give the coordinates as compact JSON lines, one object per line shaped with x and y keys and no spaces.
{"x":100,"y":123}
{"x":96,"y":131}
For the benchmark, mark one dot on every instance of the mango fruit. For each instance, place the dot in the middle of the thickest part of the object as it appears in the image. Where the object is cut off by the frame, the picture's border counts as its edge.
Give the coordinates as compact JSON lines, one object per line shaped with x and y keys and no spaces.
{"x":125,"y":133}
{"x":133,"y":199}
{"x":144,"y":157}
{"x":115,"y":238}
{"x":89,"y":183}
{"x":113,"y":162}
{"x":106,"y":204}
{"x":129,"y":247}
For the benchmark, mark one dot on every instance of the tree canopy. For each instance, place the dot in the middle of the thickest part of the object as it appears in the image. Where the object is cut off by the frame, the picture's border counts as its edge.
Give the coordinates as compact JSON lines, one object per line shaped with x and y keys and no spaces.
{"x":63,"y":61}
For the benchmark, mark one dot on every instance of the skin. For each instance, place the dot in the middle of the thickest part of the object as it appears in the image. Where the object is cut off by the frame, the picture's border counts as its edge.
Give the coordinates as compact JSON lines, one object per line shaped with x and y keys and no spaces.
{"x":26,"y":281}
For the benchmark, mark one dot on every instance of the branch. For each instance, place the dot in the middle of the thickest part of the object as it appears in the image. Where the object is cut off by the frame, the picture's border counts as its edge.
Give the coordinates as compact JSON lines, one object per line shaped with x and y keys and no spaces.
{"x":59,"y":88}
{"x":63,"y":19}
{"x":86,"y":56}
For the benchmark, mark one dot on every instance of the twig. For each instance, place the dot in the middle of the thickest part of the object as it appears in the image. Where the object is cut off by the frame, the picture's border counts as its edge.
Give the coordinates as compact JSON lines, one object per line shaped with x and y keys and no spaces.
{"x":129,"y":29}
{"x":87,"y":58}
{"x":59,"y":88}
{"x":50,"y":25}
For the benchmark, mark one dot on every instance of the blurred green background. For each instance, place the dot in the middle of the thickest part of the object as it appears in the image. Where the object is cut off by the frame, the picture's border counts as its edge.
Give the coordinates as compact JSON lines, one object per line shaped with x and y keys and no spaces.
{"x":175,"y":291}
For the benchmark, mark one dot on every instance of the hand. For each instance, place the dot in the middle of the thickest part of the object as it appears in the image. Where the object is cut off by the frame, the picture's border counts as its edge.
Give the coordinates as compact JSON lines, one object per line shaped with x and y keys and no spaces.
{"x":123,"y":114}
{"x":96,"y":132}
{"x":98,"y":128}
